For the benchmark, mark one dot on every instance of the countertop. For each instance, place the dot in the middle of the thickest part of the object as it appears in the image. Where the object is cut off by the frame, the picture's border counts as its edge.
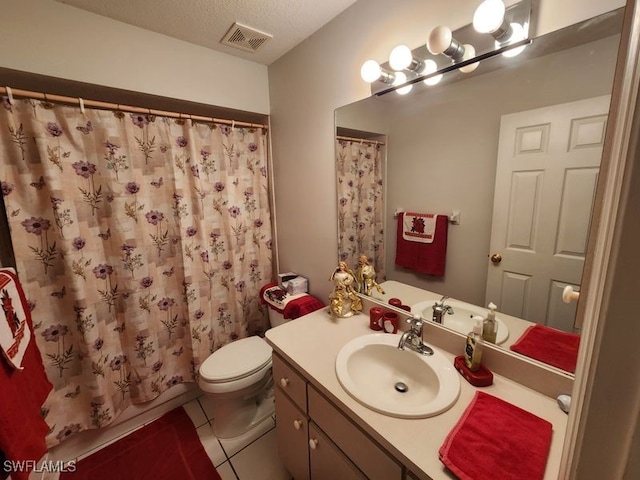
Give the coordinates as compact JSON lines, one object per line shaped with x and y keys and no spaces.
{"x":311,"y":344}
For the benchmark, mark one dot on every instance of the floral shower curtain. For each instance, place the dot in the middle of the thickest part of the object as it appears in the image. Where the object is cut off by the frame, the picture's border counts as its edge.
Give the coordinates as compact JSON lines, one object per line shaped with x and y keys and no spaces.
{"x":359,"y":168}
{"x":141,"y":242}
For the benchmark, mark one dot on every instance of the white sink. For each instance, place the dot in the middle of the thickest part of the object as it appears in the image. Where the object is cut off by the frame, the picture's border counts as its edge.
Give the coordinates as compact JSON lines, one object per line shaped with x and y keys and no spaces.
{"x":399,"y":383}
{"x":460,"y":320}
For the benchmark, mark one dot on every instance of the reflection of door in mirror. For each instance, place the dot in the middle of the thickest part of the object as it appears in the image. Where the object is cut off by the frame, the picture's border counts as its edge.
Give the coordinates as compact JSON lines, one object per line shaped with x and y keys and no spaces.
{"x":360,"y":169}
{"x":547,"y":170}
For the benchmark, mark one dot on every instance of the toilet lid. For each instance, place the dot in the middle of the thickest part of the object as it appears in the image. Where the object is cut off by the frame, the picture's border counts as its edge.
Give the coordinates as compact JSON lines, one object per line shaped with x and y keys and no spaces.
{"x":236,"y":360}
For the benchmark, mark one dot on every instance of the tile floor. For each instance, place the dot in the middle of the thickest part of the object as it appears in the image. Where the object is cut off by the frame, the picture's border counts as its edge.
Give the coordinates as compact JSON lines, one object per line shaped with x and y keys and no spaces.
{"x":251,"y":456}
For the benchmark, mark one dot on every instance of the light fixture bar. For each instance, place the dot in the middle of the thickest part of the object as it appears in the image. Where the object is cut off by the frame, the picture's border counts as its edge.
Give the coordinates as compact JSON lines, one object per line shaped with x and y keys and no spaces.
{"x":456,"y":66}
{"x":478,"y":46}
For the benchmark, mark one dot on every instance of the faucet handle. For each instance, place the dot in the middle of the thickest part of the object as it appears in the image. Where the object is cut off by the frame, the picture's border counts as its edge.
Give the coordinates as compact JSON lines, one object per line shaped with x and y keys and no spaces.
{"x":440,"y":303}
{"x":415,"y":320}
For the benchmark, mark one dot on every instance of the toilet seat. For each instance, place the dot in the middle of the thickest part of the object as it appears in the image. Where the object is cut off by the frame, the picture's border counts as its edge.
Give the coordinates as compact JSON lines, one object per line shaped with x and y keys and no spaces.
{"x":236,"y":361}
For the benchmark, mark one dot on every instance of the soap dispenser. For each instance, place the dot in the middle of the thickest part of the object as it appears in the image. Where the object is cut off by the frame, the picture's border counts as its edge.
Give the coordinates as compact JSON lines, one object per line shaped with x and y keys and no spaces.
{"x":473,"y":347}
{"x":490,"y":325}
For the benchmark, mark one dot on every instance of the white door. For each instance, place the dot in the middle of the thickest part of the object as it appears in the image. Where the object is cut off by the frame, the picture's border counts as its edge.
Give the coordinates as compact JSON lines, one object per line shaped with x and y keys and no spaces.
{"x":547,"y":171}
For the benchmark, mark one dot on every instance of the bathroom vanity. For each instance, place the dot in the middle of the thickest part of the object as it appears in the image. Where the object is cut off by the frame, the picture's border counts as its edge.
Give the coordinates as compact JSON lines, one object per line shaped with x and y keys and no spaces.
{"x":323,"y":432}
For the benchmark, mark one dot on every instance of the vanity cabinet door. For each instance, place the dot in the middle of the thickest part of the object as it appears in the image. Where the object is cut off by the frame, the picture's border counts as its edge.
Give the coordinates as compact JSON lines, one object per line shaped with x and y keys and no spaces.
{"x":292,"y":434}
{"x":327,"y":461}
{"x":374,"y":461}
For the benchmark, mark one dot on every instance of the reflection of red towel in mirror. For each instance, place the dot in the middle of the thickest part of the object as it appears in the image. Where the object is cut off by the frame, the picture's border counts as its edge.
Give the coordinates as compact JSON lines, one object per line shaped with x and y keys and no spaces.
{"x":497,"y":440}
{"x":553,"y":347}
{"x":423,"y":257}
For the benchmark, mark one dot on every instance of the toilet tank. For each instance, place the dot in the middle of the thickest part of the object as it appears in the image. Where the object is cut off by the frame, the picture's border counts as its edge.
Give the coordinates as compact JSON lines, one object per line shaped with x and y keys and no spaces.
{"x":275,"y":318}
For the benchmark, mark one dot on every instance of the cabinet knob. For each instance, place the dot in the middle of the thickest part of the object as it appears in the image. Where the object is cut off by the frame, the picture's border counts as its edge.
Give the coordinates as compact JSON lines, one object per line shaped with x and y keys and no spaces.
{"x":297,"y":424}
{"x":313,"y":443}
{"x":284,"y":382}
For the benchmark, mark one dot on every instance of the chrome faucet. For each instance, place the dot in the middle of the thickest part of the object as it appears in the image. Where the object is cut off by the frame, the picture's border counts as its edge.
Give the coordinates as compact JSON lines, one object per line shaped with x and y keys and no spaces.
{"x":412,"y":338}
{"x":439,"y":309}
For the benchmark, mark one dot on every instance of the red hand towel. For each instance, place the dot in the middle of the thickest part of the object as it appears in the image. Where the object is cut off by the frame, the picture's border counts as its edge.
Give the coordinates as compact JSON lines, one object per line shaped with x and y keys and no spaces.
{"x":22,"y":393}
{"x":295,"y":308}
{"x":497,"y":440}
{"x":551,"y":346}
{"x":426,"y":258}
{"x":301,"y":306}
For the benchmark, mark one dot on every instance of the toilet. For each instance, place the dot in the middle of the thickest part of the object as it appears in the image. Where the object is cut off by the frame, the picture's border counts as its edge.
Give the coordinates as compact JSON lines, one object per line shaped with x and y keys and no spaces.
{"x":237,"y":378}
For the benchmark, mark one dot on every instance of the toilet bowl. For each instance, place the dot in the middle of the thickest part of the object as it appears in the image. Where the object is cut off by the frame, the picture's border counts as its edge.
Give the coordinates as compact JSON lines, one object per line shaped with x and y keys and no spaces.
{"x":237,"y":378}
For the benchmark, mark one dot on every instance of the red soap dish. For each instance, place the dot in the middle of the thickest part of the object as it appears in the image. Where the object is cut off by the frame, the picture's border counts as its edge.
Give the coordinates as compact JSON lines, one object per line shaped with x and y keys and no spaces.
{"x":482,"y":378}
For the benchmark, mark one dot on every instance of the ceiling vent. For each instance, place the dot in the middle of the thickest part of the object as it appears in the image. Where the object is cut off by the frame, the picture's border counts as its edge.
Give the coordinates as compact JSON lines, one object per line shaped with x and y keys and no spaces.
{"x":245,"y":38}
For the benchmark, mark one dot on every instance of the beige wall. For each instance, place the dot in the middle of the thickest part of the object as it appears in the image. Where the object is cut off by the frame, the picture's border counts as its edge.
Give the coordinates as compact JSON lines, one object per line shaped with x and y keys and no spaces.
{"x":54,"y":39}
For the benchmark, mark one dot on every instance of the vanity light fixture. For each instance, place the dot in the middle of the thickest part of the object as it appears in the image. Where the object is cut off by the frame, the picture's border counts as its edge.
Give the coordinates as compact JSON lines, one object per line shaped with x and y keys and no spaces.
{"x":431,"y":67}
{"x":401,"y":78}
{"x":441,"y":41}
{"x":489,"y":18}
{"x":372,"y":71}
{"x":496,"y":30}
{"x":401,"y":58}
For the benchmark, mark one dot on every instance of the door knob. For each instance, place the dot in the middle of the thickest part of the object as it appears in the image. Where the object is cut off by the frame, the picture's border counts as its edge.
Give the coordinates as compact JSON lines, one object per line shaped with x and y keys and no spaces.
{"x":496,"y":258}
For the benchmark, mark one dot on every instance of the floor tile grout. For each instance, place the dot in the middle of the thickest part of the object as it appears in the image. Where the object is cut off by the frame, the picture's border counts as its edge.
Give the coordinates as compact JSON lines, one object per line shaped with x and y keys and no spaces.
{"x":248,"y":444}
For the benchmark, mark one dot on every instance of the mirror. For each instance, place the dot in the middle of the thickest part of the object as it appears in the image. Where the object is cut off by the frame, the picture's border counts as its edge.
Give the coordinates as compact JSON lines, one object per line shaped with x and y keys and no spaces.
{"x":442,"y":144}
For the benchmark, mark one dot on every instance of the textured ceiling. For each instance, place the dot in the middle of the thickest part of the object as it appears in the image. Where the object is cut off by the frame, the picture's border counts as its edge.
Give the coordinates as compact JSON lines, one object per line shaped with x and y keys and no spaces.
{"x":205,"y":22}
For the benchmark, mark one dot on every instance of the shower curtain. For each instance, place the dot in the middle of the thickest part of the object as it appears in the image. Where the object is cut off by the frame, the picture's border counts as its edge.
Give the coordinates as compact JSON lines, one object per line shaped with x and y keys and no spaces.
{"x":141,"y":243}
{"x":359,"y":167}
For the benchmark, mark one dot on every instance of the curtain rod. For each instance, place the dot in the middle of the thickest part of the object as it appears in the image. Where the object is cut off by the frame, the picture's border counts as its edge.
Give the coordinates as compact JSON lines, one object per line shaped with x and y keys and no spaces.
{"x":360,"y":140}
{"x":123,"y":108}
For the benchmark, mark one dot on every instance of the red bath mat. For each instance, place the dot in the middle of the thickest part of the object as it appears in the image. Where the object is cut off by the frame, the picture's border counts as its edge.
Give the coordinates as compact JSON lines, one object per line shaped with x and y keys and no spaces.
{"x":167,"y":448}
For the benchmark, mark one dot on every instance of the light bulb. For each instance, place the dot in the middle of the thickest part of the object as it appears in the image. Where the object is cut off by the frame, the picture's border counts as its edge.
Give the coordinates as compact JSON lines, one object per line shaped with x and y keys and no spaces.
{"x":431,"y":67}
{"x":400,"y":57}
{"x":370,"y":71}
{"x":517,"y":35}
{"x":469,"y":53}
{"x":439,"y":40}
{"x":489,"y":16}
{"x":400,"y":79}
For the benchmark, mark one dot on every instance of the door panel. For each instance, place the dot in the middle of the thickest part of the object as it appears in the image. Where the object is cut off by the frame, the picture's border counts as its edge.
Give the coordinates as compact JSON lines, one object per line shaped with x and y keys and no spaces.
{"x":547,"y":171}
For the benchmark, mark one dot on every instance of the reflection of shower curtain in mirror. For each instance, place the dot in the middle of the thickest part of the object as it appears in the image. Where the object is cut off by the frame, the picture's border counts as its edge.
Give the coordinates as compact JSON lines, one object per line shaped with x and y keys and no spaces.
{"x":359,"y":167}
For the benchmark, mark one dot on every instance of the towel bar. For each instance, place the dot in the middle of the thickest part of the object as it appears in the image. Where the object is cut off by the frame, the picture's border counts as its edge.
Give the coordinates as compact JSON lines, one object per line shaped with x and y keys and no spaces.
{"x":454,"y":217}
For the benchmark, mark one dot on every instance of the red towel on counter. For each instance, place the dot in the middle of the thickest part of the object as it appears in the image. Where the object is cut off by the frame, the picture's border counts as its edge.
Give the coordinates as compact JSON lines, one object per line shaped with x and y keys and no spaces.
{"x":497,"y":440}
{"x":22,"y":393}
{"x":549,"y":345}
{"x":423,"y":257}
{"x":290,"y":306}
